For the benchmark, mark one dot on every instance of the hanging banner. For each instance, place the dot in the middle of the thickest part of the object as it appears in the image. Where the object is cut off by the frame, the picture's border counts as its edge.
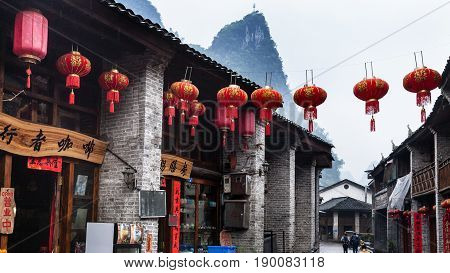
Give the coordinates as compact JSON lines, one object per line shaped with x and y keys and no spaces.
{"x":175,"y":166}
{"x":37,"y":140}
{"x":7,"y":205}
{"x":175,"y":213}
{"x":48,"y":163}
{"x":446,"y":229}
{"x":418,"y":245}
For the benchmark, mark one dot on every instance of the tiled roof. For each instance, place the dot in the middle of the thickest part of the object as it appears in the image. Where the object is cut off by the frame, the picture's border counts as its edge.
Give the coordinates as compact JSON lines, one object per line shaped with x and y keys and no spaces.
{"x":345,"y":204}
{"x":345,"y":181}
{"x":171,"y":38}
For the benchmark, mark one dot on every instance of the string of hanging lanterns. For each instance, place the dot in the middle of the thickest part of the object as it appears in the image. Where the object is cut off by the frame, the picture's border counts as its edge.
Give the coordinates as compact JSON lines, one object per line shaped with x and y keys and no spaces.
{"x":31,"y":41}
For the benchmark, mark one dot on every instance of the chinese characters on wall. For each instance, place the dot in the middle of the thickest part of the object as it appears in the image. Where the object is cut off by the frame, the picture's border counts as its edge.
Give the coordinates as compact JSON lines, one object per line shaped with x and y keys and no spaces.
{"x":175,"y":166}
{"x":36,"y":140}
{"x":7,"y":205}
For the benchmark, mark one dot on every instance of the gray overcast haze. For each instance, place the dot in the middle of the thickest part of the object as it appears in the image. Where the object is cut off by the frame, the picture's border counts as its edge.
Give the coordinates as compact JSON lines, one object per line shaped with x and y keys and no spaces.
{"x":317,"y":34}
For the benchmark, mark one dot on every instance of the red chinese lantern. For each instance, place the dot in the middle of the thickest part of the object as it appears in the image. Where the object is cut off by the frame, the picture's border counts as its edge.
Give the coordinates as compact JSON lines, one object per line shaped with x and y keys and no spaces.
{"x":247,"y":126}
{"x":371,"y":90}
{"x":196,"y":109}
{"x":407,"y":214}
{"x":424,"y":210}
{"x":421,"y":81}
{"x":309,"y":97}
{"x":223,"y":122}
{"x":113,"y":82}
{"x":446,"y":204}
{"x":30,"y":38}
{"x":186,"y":92}
{"x":232,"y":97}
{"x":73,"y":65}
{"x":267,"y":100}
{"x":170,"y":101}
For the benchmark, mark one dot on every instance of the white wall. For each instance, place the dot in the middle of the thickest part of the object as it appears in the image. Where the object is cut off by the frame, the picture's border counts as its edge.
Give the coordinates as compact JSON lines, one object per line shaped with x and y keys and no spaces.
{"x":340,"y":191}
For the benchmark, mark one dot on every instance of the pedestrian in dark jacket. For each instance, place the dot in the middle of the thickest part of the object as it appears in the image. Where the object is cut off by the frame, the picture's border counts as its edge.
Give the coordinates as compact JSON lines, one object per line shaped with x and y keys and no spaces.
{"x":345,"y":243}
{"x":354,"y":242}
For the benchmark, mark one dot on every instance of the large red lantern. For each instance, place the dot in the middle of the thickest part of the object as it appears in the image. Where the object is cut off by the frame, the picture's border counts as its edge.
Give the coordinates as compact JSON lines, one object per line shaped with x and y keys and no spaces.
{"x":186,"y":92}
{"x":73,"y":65}
{"x":170,"y":101}
{"x":196,"y":109}
{"x":113,"y":82}
{"x":309,"y":97}
{"x":232,"y":97}
{"x":247,"y":126}
{"x":30,"y":38}
{"x":268,"y":100}
{"x":421,"y":81}
{"x":371,"y":90}
{"x":223,"y":122}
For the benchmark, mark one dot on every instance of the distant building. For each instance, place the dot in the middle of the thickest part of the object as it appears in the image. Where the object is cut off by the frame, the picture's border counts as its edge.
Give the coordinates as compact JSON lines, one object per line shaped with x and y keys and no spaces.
{"x":345,"y":206}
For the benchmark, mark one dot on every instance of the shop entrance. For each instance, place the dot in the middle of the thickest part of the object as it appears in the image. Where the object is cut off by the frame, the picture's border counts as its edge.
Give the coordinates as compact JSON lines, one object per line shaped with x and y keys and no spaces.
{"x":34,"y":191}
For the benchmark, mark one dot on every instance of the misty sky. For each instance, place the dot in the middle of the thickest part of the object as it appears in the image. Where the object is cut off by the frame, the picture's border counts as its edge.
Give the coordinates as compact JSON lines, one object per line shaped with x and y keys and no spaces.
{"x":317,"y":34}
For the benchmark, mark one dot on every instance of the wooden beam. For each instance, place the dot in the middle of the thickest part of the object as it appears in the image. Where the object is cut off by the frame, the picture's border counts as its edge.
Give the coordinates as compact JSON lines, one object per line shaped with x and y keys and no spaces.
{"x":56,"y":237}
{"x":68,"y":218}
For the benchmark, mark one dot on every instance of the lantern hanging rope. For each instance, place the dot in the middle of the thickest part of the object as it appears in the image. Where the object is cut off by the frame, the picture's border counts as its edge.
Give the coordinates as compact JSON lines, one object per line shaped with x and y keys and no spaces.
{"x":223,"y":122}
{"x":422,"y":81}
{"x":309,"y":97}
{"x":371,"y":90}
{"x":113,"y":82}
{"x":30,"y":39}
{"x":185,"y":92}
{"x":73,"y":65}
{"x":196,"y":109}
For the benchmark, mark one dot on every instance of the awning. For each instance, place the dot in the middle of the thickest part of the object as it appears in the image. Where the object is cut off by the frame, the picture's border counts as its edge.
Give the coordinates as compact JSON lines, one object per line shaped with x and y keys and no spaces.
{"x":399,"y":193}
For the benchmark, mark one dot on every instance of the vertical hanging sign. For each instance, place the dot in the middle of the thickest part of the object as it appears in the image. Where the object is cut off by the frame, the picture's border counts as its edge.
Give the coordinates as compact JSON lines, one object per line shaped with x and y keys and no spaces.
{"x":7,"y":205}
{"x":175,"y":214}
{"x":446,"y":229}
{"x":417,"y":232}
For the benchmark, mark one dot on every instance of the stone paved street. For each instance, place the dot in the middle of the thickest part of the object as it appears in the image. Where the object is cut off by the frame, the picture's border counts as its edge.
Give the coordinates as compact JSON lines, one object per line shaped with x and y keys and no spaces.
{"x":330,"y":247}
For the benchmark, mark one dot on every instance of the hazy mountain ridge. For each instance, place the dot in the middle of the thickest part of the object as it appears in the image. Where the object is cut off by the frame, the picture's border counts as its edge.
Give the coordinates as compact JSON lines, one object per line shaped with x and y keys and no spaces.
{"x":247,"y":47}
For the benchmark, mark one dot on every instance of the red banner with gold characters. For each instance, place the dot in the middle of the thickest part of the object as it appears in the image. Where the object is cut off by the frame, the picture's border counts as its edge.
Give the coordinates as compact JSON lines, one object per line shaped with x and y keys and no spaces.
{"x":446,"y":228}
{"x":47,"y":163}
{"x":175,"y":213}
{"x":7,"y":205}
{"x":418,"y":246}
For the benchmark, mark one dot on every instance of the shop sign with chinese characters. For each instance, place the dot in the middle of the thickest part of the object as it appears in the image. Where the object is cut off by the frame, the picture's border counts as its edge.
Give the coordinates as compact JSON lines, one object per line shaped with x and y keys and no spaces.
{"x":48,"y":163}
{"x":7,"y":205}
{"x":175,"y":166}
{"x":36,"y":140}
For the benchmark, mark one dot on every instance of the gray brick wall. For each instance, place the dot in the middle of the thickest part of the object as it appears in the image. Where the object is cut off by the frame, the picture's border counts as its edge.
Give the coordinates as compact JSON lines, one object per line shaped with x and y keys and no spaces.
{"x":305,"y":206}
{"x":135,"y":132}
{"x":280,"y":197}
{"x":252,"y":240}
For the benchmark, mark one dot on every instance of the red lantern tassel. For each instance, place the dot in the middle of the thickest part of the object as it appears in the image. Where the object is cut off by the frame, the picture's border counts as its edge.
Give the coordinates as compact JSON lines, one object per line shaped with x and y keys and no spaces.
{"x":111,"y":106}
{"x":28,"y":71}
{"x":423,"y":98}
{"x":169,"y":112}
{"x":182,"y":117}
{"x":72,"y":97}
{"x":372,"y":107}
{"x":232,"y":125}
{"x":193,"y":131}
{"x":73,"y":81}
{"x":423,"y":115}
{"x":372,"y":124}
{"x":311,"y":126}
{"x":267,"y":129}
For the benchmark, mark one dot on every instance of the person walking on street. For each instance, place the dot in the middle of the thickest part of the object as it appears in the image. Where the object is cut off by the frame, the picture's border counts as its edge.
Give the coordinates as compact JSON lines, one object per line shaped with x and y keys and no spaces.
{"x":354,"y":242}
{"x":345,"y":243}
